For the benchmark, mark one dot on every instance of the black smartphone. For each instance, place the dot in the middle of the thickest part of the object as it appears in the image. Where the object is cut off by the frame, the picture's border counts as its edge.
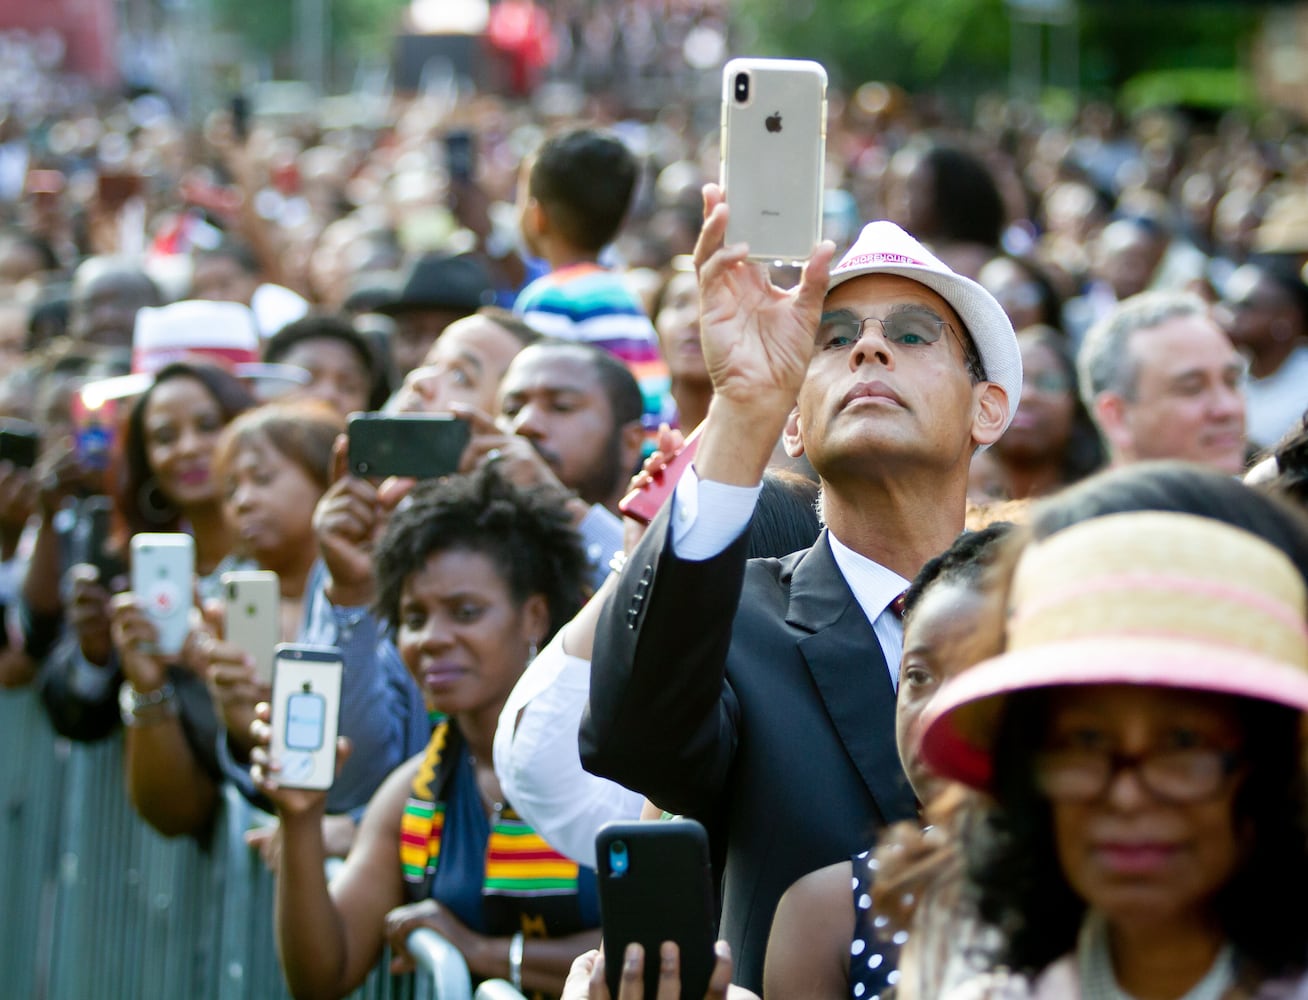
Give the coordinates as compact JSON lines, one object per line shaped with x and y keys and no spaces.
{"x":239,"y":106}
{"x":20,"y":441}
{"x":460,"y":154}
{"x":90,"y":541}
{"x":656,"y":885}
{"x":417,"y":445}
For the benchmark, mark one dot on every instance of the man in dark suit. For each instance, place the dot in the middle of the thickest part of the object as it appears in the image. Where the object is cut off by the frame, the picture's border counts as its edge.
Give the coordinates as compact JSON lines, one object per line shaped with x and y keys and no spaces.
{"x":759,"y":697}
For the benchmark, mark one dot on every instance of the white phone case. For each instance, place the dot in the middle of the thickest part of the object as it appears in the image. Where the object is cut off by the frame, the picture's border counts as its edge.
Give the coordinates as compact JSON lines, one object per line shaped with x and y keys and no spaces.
{"x":252,"y":603}
{"x":163,"y":578}
{"x":306,"y":701}
{"x":773,"y":149}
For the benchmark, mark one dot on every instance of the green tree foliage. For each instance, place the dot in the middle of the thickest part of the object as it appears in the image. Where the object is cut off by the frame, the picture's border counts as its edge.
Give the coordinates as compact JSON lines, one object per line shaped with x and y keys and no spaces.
{"x":358,"y":27}
{"x":1120,"y":41}
{"x":959,"y":47}
{"x":938,"y":44}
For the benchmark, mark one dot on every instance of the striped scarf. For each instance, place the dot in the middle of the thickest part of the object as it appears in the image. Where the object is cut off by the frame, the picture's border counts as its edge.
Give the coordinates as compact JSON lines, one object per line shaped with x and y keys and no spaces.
{"x":527,"y":885}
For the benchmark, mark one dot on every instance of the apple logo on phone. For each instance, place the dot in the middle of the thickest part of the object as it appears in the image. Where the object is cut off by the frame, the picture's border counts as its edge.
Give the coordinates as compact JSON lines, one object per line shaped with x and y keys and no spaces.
{"x":773,"y":122}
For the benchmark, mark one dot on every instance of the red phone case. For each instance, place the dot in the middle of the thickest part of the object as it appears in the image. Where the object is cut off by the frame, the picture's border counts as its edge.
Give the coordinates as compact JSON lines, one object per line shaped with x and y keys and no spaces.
{"x":643,"y":503}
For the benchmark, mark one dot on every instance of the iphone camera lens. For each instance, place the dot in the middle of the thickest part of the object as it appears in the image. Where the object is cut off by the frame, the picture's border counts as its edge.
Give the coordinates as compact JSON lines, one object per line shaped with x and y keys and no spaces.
{"x":742,"y":86}
{"x":618,"y":860}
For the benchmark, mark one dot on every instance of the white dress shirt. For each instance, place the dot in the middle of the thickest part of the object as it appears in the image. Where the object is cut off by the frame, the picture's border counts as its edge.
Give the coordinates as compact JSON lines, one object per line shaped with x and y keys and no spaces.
{"x":539,"y":766}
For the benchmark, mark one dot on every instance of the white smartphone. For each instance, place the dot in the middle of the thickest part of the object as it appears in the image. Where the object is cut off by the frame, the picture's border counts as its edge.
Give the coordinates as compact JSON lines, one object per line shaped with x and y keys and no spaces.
{"x":773,"y":150}
{"x":163,"y":578}
{"x":252,"y":602}
{"x":306,"y":701}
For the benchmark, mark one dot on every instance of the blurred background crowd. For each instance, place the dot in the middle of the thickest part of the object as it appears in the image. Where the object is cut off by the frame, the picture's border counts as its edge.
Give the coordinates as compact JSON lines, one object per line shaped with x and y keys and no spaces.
{"x":335,"y":200}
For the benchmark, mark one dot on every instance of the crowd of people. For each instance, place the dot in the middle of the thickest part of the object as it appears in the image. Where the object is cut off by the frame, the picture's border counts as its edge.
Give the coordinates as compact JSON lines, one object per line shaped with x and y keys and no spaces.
{"x":961,"y":636}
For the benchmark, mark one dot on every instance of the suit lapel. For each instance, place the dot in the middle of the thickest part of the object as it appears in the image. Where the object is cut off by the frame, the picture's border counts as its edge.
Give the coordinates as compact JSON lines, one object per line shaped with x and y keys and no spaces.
{"x":849,"y":669}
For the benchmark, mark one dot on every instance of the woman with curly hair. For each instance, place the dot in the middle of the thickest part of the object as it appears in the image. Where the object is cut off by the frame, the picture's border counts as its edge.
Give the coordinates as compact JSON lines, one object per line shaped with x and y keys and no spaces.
{"x":473,"y":574}
{"x":1140,"y":743}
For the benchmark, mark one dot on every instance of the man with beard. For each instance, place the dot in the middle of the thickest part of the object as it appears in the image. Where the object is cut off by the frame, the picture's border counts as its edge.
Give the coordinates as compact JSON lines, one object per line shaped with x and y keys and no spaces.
{"x":569,"y":413}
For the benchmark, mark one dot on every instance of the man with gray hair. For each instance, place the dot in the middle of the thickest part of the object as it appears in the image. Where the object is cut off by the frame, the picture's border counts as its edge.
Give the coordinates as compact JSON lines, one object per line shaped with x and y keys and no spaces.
{"x":1162,"y":380}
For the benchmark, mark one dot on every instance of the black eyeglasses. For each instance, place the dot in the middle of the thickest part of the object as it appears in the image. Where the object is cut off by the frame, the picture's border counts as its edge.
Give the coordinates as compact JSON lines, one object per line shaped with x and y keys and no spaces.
{"x":1177,"y":775}
{"x":910,"y":329}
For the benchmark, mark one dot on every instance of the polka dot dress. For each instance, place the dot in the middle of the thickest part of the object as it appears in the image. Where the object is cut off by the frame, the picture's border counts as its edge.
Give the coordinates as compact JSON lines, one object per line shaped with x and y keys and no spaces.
{"x":872,"y":961}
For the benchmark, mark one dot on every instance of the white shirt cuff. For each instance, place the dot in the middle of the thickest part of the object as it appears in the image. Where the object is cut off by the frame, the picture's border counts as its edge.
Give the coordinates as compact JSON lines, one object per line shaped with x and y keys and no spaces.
{"x":708,"y":516}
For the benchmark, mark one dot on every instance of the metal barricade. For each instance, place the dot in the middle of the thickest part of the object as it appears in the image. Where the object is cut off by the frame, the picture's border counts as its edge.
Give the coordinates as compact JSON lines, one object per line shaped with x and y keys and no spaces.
{"x":98,"y":905}
{"x":497,"y":989}
{"x":32,"y":764}
{"x":443,"y":972}
{"x":137,"y":908}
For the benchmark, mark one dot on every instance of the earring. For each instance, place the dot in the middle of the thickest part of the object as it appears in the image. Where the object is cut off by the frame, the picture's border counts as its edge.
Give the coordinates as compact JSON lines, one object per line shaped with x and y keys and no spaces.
{"x":531,"y":650}
{"x":154,"y":506}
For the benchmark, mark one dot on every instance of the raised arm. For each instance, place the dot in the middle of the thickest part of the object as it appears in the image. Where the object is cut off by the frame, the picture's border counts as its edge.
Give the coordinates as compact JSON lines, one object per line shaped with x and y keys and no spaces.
{"x":662,"y":718}
{"x":757,"y":341}
{"x":329,"y":938}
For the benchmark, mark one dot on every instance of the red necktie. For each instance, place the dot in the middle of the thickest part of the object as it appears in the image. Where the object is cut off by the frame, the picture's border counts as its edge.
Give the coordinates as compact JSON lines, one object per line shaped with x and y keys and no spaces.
{"x":897,"y":605}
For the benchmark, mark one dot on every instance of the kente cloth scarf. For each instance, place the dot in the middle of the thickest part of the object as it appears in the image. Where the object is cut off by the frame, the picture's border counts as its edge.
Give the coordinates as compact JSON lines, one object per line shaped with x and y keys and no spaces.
{"x":527,"y":886}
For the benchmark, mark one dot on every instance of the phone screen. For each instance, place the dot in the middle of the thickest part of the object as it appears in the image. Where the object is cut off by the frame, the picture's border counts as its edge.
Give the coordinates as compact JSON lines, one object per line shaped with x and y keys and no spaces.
{"x":93,"y":430}
{"x":305,"y":715}
{"x":306,"y":697}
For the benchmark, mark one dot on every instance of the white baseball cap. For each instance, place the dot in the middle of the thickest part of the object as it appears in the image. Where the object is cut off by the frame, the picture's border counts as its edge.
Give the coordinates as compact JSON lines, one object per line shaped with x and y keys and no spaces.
{"x":884,"y":248}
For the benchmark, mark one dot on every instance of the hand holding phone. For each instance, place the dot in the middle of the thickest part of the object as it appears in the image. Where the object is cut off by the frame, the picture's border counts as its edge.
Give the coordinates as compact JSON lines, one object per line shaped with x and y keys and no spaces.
{"x":95,"y":421}
{"x":163,"y":574}
{"x":306,"y":702}
{"x":773,"y":149}
{"x":90,"y":541}
{"x":252,"y":602}
{"x":644,"y":502}
{"x":656,"y":885}
{"x":414,"y":445}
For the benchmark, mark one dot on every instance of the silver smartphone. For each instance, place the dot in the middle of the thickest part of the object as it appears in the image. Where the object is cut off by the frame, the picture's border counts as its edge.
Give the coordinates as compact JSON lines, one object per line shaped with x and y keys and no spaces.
{"x":163,"y":575}
{"x":306,"y":703}
{"x":252,"y":602}
{"x":773,"y":150}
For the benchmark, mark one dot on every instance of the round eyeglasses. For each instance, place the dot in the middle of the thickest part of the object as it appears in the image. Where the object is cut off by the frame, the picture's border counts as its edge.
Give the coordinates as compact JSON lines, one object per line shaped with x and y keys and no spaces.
{"x":912,"y":328}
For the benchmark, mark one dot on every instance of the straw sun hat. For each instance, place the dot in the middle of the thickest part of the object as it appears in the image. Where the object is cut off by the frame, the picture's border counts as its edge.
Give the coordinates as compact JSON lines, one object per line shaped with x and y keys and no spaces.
{"x":1151,"y":598}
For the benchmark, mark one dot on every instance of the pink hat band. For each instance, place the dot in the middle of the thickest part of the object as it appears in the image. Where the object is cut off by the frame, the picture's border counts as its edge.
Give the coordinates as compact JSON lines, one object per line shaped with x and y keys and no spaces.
{"x":1127,"y":583}
{"x":1154,"y":598}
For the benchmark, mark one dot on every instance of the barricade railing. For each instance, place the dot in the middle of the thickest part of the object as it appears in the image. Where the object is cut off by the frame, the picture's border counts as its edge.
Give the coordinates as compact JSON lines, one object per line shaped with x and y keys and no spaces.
{"x":446,"y":973}
{"x":98,"y":905}
{"x":497,"y":989}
